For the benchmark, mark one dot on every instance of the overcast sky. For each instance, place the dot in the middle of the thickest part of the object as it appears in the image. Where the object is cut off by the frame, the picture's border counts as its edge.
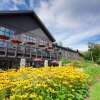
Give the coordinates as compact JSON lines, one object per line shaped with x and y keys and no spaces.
{"x":72,"y":22}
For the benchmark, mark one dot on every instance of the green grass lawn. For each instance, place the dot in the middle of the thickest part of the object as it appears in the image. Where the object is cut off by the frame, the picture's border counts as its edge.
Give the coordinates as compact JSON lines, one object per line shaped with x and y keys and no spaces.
{"x":94,"y":73}
{"x":95,"y":92}
{"x":94,"y":78}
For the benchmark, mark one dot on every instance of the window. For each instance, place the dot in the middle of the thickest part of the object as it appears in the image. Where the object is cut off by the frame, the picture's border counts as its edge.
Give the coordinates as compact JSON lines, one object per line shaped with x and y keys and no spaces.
{"x":10,"y":45}
{"x":42,"y":41}
{"x":2,"y":30}
{"x":3,"y":43}
{"x":11,"y":33}
{"x":28,"y":38}
{"x":6,"y":31}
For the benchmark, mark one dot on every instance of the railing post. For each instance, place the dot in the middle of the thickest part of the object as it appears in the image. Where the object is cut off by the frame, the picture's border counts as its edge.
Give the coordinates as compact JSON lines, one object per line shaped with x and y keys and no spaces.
{"x":30,"y":52}
{"x":36,"y":52}
{"x":57,"y":56}
{"x":16,"y":51}
{"x":41,"y":54}
{"x":6,"y":48}
{"x":50,"y":55}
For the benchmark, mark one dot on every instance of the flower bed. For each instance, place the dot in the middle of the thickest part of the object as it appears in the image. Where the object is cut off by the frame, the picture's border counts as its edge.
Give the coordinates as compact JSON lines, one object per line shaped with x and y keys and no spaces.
{"x":55,"y":83}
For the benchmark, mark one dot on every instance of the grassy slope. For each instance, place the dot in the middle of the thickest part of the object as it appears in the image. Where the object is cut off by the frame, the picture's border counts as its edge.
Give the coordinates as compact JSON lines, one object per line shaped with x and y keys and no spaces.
{"x":95,"y":92}
{"x":94,"y":78}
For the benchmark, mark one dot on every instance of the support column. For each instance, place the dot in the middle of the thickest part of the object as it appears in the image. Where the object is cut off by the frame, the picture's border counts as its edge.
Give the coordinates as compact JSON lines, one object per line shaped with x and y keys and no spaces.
{"x":36,"y":52}
{"x":30,"y":52}
{"x":60,"y":63}
{"x":22,"y":62}
{"x":46,"y":63}
{"x":50,"y":55}
{"x":41,"y":54}
{"x":16,"y":51}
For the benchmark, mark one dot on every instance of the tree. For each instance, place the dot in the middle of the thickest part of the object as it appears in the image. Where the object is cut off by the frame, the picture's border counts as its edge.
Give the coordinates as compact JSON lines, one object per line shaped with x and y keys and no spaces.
{"x":93,"y":52}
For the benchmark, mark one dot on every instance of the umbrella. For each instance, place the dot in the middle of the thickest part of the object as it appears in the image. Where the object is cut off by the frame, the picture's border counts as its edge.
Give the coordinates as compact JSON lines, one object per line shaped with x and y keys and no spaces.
{"x":38,"y":59}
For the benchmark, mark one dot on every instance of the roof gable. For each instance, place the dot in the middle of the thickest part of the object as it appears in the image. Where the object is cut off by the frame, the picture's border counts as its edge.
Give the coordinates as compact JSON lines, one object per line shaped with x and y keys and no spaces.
{"x":33,"y":15}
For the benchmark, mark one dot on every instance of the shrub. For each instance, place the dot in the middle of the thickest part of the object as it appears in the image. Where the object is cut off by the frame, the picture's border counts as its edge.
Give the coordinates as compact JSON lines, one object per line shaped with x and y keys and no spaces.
{"x":78,"y":63}
{"x":65,"y":61}
{"x":98,"y":61}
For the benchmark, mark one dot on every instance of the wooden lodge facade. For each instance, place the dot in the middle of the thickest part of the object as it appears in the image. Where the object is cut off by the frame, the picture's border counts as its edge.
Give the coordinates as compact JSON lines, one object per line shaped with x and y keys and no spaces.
{"x":23,"y":35}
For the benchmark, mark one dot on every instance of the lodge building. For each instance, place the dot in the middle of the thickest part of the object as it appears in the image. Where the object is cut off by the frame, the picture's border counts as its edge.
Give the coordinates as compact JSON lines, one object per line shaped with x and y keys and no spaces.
{"x":23,"y":35}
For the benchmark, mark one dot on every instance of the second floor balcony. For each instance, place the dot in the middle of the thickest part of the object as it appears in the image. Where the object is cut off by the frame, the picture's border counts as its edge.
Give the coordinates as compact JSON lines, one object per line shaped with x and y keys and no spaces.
{"x":19,"y":51}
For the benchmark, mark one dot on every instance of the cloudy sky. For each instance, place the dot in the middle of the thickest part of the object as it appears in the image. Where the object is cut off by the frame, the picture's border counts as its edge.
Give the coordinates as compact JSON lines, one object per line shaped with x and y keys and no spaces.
{"x":72,"y":22}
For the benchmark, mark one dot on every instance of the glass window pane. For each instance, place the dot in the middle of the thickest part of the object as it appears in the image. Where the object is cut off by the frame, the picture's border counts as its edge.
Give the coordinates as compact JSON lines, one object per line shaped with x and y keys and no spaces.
{"x":1,"y":33}
{"x":7,"y":32}
{"x":3,"y":43}
{"x":11,"y":34}
{"x":10,"y":45}
{"x":23,"y":37}
{"x":28,"y":38}
{"x":2,"y":29}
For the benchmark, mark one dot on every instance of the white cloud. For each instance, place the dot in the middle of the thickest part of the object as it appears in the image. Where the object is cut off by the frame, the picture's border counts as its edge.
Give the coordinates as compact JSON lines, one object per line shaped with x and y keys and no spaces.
{"x":55,"y":13}
{"x":70,"y":21}
{"x":81,"y":36}
{"x":18,"y":1}
{"x":81,"y":47}
{"x":77,"y":20}
{"x":7,"y":5}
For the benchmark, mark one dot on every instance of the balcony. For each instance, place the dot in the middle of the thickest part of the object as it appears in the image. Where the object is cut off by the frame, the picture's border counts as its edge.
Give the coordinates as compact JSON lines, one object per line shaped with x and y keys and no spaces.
{"x":25,"y":51}
{"x":11,"y":52}
{"x":22,"y":45}
{"x":2,"y":51}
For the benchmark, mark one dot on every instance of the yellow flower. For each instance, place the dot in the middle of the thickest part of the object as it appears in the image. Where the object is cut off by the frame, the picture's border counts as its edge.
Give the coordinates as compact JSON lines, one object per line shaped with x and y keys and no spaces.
{"x":30,"y":79}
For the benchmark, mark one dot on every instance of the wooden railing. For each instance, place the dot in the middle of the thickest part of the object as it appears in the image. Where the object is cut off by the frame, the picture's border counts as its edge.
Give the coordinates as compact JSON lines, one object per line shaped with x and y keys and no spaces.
{"x":25,"y":51}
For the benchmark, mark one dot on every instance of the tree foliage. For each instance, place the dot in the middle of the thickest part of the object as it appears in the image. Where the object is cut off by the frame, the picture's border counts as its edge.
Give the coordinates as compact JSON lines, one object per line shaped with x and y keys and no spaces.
{"x":93,"y":53}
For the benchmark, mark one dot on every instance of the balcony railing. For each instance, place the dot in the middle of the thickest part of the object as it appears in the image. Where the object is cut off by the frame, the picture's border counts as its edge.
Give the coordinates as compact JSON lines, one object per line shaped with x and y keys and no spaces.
{"x":25,"y":51}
